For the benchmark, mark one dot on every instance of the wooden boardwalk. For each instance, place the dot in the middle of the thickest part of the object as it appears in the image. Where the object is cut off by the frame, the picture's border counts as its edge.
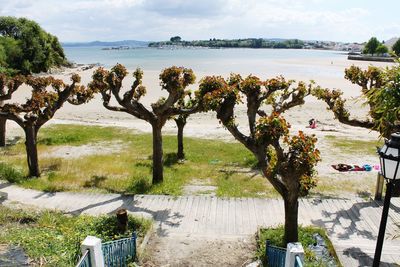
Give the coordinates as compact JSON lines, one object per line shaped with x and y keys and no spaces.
{"x":352,"y":224}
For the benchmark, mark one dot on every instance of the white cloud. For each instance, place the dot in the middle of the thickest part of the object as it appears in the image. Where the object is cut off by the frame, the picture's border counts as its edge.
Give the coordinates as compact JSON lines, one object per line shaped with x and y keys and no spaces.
{"x":84,"y":20}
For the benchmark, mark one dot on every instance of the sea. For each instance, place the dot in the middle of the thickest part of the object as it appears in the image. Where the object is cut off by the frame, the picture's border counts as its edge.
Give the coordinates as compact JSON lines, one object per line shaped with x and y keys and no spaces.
{"x":264,"y":62}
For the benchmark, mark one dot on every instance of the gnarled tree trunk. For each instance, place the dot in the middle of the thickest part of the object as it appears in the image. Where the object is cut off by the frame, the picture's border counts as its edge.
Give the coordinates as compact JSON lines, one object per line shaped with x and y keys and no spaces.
{"x":31,"y":151}
{"x":291,"y":219}
{"x":180,"y":123}
{"x":157,"y":154}
{"x":3,"y":132}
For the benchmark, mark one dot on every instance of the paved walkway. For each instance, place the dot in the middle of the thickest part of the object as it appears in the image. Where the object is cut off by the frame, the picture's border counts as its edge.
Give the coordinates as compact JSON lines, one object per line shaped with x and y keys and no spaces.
{"x":352,"y":224}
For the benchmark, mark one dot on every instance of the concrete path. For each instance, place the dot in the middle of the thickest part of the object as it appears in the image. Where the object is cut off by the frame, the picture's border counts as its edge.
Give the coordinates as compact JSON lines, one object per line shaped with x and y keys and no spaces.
{"x":352,"y":224}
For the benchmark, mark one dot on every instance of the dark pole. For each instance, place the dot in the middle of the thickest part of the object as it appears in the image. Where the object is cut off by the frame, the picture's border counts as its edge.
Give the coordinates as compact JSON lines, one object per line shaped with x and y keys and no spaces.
{"x":382,"y":227}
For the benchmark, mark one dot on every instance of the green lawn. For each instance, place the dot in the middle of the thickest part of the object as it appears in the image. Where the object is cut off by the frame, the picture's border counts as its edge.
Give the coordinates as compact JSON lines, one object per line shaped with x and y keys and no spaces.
{"x":54,"y":239}
{"x":125,"y":164}
{"x":351,"y":146}
{"x":128,"y":169}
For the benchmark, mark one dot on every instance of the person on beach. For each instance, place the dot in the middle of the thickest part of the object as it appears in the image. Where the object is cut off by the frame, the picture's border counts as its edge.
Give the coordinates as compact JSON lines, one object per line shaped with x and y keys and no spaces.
{"x":312,"y":124}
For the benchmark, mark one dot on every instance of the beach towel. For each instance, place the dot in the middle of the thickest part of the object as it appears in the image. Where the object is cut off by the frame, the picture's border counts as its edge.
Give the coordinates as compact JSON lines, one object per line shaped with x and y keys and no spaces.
{"x":354,"y":168}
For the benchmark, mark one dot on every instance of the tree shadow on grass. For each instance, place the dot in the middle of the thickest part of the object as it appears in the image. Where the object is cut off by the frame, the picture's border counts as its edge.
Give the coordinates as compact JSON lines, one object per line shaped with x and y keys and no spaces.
{"x":170,"y":159}
{"x":140,"y":186}
{"x":95,"y":181}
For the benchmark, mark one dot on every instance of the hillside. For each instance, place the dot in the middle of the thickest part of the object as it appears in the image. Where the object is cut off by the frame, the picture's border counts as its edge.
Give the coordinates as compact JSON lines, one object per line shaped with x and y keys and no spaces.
{"x":130,"y":43}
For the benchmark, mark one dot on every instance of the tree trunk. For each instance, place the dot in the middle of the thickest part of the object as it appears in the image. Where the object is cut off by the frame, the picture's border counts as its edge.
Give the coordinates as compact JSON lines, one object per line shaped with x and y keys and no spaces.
{"x":3,"y":132}
{"x":291,"y":220}
{"x":180,"y":124}
{"x":122,"y":220}
{"x":157,"y":154}
{"x":31,"y":151}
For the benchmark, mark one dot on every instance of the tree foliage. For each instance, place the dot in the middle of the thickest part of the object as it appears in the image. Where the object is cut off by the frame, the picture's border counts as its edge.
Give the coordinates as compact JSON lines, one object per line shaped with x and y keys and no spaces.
{"x":26,"y":48}
{"x":371,"y":46}
{"x":175,"y":39}
{"x":396,"y":47}
{"x":48,"y":95}
{"x":286,"y":161}
{"x":382,"y":49}
{"x":380,"y":89}
{"x":174,"y":80}
{"x":249,"y":42}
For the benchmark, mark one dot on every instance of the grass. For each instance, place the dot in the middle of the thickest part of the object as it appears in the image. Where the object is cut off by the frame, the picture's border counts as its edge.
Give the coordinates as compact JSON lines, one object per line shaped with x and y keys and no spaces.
{"x":128,"y":170}
{"x":126,"y":167}
{"x":53,"y":238}
{"x":351,"y":146}
{"x":275,"y":236}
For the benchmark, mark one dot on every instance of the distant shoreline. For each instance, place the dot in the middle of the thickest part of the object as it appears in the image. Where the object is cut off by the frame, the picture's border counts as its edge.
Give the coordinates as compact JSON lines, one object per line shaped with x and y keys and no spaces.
{"x":370,"y":58}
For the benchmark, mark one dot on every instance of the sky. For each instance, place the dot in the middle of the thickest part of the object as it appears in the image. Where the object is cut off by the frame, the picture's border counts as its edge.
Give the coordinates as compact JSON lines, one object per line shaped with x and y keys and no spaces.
{"x":155,"y":20}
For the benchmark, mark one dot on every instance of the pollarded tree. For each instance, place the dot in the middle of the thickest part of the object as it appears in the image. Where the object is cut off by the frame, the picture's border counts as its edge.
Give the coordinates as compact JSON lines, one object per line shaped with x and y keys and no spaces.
{"x":181,"y":120}
{"x":48,"y":96}
{"x":380,"y":87}
{"x":287,"y":162}
{"x":7,"y":88}
{"x":174,"y":80}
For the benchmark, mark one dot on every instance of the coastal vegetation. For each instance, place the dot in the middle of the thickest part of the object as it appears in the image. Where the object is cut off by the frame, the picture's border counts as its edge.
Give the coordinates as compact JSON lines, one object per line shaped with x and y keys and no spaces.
{"x":26,"y":48}
{"x":234,"y":43}
{"x":53,"y":239}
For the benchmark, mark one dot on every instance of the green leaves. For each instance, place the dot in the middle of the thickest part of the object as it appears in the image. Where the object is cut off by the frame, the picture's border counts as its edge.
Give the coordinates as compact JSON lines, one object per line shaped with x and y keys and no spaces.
{"x":176,"y":79}
{"x":213,"y":90}
{"x":28,"y":48}
{"x":271,"y":128}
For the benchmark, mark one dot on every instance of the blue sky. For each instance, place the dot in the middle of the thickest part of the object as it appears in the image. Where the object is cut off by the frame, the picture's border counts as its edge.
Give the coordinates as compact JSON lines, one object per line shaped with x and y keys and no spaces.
{"x":109,"y":20}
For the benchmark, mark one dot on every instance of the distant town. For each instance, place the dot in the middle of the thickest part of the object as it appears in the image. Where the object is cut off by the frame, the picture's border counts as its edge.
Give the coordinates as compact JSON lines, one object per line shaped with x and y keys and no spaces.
{"x":260,"y":43}
{"x":176,"y":42}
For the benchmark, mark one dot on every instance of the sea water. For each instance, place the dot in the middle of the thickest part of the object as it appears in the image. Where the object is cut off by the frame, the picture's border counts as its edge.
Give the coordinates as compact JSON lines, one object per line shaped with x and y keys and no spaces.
{"x":288,"y":62}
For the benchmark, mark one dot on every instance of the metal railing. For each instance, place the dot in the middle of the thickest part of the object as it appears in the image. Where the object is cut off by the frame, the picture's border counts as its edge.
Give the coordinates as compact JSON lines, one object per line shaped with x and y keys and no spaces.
{"x":84,"y":261}
{"x":117,"y":253}
{"x":275,"y":255}
{"x":298,"y":262}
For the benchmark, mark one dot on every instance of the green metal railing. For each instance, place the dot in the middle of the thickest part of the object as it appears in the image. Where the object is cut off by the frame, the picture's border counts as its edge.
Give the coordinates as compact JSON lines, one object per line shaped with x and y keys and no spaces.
{"x":84,"y":261}
{"x":298,"y":262}
{"x":275,"y":255}
{"x":117,"y":253}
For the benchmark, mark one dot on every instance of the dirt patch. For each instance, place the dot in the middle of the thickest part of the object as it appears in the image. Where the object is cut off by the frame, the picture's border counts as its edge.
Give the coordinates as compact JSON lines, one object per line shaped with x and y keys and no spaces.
{"x":199,"y":251}
{"x":208,"y":190}
{"x":74,"y":152}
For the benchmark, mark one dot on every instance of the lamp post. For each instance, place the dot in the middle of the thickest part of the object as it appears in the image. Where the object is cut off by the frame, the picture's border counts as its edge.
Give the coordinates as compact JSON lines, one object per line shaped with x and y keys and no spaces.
{"x":389,"y":156}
